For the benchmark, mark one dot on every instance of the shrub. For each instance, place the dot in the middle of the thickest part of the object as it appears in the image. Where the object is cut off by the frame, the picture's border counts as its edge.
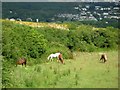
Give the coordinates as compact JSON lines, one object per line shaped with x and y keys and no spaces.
{"x":57,"y":47}
{"x":7,"y":68}
{"x":22,"y":41}
{"x":84,"y":38}
{"x":105,"y":38}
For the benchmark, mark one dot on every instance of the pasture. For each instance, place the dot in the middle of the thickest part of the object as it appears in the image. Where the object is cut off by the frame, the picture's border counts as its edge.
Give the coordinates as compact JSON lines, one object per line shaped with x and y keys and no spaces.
{"x":84,"y":71}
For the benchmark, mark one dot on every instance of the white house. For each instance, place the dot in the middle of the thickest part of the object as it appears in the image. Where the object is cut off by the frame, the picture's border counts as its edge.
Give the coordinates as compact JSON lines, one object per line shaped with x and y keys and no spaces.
{"x":12,"y":19}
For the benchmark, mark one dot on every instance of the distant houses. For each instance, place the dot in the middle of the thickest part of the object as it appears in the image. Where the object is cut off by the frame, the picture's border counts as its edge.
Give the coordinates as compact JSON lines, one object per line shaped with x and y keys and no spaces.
{"x":29,"y":19}
{"x":79,"y":17}
{"x":12,"y":19}
{"x":18,"y":19}
{"x":84,"y":12}
{"x":37,"y":20}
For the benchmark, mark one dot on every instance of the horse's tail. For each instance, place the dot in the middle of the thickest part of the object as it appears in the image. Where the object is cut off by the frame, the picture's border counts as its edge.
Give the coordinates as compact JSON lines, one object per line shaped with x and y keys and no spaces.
{"x":48,"y":57}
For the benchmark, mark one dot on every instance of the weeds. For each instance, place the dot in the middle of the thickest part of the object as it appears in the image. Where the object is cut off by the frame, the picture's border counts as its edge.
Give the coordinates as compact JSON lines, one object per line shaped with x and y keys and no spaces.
{"x":69,"y":75}
{"x":38,"y":69}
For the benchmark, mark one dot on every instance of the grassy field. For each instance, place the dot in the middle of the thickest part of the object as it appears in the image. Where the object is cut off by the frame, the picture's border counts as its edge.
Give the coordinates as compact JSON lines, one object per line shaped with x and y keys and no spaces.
{"x":84,"y":71}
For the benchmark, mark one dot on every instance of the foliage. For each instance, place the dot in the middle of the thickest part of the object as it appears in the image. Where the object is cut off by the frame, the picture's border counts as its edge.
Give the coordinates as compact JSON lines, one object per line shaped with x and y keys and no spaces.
{"x":33,"y":42}
{"x":57,"y":47}
{"x":7,"y":69}
{"x":36,"y":44}
{"x":57,"y":41}
{"x":22,"y":41}
{"x":86,"y":38}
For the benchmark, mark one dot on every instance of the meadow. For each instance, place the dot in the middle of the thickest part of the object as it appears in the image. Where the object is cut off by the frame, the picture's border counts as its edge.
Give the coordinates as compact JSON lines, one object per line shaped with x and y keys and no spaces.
{"x":84,"y":71}
{"x":79,"y":44}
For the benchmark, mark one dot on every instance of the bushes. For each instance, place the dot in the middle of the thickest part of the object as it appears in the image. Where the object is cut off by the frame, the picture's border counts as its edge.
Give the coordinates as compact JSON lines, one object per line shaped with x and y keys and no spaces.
{"x":19,"y":41}
{"x":85,"y":47}
{"x":105,"y":38}
{"x":57,"y":41}
{"x":54,"y":35}
{"x":57,"y":47}
{"x":22,"y":41}
{"x":7,"y":69}
{"x":84,"y":38}
{"x":30,"y":42}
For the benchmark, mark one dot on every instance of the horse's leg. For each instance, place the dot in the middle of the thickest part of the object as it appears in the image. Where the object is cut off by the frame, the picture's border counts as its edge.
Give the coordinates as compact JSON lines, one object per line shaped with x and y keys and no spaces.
{"x":51,"y":58}
{"x":62,"y":61}
{"x":100,"y":59}
{"x":57,"y":59}
{"x":25,"y":64}
{"x":104,"y":60}
{"x":22,"y":64}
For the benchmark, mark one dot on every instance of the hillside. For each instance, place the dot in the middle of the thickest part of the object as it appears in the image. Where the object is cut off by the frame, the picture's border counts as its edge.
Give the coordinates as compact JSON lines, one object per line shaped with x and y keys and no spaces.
{"x":79,"y":44}
{"x":99,"y":14}
{"x":43,"y":24}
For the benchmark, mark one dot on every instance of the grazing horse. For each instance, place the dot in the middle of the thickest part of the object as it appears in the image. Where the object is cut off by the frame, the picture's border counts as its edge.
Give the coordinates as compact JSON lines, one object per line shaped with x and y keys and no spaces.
{"x":56,"y":55}
{"x":21,"y":61}
{"x":103,"y":57}
{"x":51,"y":56}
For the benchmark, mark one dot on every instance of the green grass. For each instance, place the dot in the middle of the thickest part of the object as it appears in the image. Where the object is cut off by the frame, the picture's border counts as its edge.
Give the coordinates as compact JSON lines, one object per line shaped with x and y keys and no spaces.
{"x":84,"y":71}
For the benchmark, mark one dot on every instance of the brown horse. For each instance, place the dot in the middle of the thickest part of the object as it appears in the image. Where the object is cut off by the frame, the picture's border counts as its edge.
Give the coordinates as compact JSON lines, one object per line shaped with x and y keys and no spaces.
{"x":60,"y":58}
{"x":21,"y":61}
{"x":103,"y":57}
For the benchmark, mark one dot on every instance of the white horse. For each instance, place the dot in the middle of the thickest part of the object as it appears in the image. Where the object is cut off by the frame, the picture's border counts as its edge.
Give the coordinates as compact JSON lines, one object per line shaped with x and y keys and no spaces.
{"x":51,"y":56}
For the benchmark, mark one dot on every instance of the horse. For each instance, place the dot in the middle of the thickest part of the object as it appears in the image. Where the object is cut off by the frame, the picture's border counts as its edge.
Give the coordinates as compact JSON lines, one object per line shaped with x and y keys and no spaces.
{"x":51,"y":56}
{"x":21,"y":61}
{"x":56,"y":55}
{"x":103,"y":57}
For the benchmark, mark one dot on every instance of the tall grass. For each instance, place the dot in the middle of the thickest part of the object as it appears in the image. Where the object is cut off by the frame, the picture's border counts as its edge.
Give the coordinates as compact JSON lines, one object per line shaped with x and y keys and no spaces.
{"x":85,"y":71}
